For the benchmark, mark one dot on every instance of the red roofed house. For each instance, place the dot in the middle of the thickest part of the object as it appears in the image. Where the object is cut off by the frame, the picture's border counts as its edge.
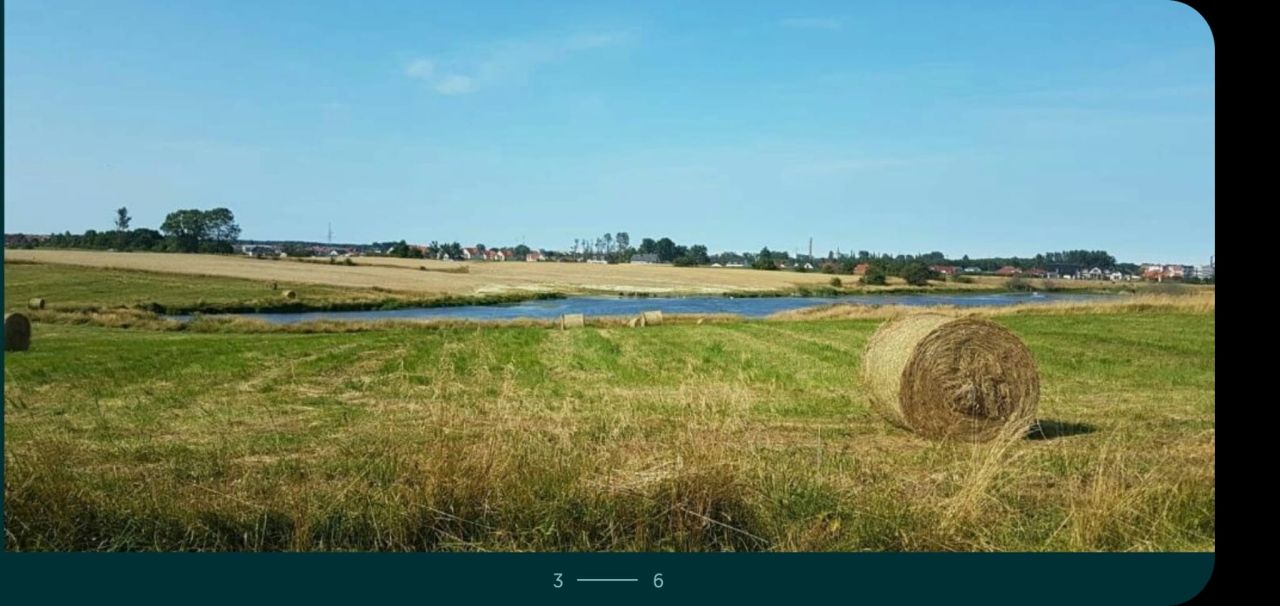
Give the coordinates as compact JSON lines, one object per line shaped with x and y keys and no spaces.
{"x":471,"y":253}
{"x":1008,"y":270}
{"x":946,"y":270}
{"x":533,"y":256}
{"x":861,"y":268}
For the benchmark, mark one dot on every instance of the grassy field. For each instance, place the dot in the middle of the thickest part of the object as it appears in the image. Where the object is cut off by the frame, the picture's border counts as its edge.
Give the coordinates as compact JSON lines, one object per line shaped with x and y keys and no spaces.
{"x":722,"y":436}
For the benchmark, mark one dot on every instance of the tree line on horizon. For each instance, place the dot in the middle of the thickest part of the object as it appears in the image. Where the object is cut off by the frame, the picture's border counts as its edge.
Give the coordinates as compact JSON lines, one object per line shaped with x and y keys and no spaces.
{"x":187,"y":231}
{"x":216,"y":231}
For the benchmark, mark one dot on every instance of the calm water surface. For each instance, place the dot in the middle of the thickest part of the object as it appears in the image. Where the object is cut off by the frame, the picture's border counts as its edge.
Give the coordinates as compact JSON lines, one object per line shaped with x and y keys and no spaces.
{"x":618,"y":306}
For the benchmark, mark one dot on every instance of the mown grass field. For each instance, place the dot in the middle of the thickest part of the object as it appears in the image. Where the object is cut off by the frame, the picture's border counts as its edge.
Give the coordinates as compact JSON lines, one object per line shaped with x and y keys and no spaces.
{"x":723,"y":436}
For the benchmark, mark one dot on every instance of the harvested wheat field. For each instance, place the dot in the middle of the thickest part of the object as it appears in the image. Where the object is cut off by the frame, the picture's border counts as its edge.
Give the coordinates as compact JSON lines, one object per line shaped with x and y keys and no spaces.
{"x":404,"y":275}
{"x":728,"y":435}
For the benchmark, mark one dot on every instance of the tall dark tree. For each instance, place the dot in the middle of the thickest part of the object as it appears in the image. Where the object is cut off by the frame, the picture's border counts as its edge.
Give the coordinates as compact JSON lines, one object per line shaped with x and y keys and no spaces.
{"x":665,"y":249}
{"x":764,"y":260}
{"x":186,"y":227}
{"x":122,"y":219}
{"x":648,"y":246}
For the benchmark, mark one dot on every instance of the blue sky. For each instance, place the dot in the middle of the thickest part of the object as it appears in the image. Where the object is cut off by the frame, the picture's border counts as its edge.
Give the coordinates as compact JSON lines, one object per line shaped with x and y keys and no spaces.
{"x":975,"y":128}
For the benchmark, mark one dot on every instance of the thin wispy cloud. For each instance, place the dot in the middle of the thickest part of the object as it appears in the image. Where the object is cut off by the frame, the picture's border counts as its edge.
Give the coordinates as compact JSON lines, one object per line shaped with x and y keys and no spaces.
{"x":826,"y":23}
{"x":503,"y":62}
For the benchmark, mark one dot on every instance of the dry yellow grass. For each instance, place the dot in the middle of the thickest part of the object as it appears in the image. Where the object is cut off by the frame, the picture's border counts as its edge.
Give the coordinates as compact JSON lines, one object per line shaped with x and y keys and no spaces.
{"x":1197,"y":301}
{"x":481,"y":278}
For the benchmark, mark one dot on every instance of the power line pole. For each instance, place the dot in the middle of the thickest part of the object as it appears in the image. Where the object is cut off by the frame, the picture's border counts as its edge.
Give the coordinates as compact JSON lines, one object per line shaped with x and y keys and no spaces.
{"x":330,"y":233}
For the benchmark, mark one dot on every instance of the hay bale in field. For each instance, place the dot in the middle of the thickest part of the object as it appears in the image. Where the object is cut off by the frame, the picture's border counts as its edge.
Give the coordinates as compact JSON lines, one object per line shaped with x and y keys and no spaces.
{"x":699,"y":321}
{"x":572,"y":321}
{"x":17,"y":332}
{"x":36,"y":303}
{"x":634,"y":322}
{"x":651,"y":318}
{"x":289,"y":294}
{"x":947,"y":377}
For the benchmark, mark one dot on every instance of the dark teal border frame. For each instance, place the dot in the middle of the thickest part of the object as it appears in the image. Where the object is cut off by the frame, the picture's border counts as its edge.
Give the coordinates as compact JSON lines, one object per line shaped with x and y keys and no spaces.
{"x":865,"y":578}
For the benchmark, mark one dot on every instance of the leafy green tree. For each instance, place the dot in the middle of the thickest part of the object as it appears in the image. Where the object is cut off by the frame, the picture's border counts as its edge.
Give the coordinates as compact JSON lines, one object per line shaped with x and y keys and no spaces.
{"x":185,"y":228}
{"x":666,"y":250}
{"x":917,"y":273}
{"x":764,"y":260}
{"x":648,"y":246}
{"x":875,"y":275}
{"x":699,"y":254}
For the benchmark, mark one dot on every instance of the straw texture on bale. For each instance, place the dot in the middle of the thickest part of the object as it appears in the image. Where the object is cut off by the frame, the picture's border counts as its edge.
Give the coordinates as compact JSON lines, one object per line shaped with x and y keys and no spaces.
{"x":17,"y":332}
{"x":946,"y":377}
{"x":572,"y":321}
{"x":651,"y":318}
{"x":634,"y":322}
{"x":36,"y":303}
{"x":289,"y":294}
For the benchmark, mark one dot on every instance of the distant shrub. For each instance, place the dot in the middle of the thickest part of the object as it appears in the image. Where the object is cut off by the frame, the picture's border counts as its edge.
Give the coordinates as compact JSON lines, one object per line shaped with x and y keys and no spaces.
{"x":348,"y":261}
{"x":959,"y":279}
{"x":875,"y":276}
{"x":917,"y":274}
{"x":1018,"y":284}
{"x":836,"y":282}
{"x":1168,"y":288}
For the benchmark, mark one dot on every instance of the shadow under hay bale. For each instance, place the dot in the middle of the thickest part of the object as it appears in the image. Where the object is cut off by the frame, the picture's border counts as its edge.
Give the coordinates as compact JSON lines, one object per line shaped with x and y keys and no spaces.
{"x":17,"y":332}
{"x":1048,"y":429}
{"x":945,"y":377}
{"x":36,"y":303}
{"x":289,"y":294}
{"x":568,"y":321}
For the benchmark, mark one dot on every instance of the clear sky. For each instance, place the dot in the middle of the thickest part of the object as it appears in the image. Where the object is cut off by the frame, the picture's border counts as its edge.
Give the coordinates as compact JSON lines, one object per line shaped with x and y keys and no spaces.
{"x":980,"y":128}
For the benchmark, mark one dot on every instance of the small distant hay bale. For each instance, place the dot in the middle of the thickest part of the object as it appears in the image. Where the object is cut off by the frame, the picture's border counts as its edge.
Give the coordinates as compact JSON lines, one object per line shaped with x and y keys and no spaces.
{"x":700,"y":320}
{"x":951,"y":378}
{"x":568,"y":321}
{"x":634,"y":322}
{"x":289,"y":294}
{"x":17,"y":332}
{"x":36,"y":303}
{"x":651,"y":318}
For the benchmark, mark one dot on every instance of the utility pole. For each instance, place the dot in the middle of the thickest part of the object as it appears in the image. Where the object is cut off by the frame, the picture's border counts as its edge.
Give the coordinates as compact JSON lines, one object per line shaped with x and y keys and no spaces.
{"x":330,"y":233}
{"x":810,"y":247}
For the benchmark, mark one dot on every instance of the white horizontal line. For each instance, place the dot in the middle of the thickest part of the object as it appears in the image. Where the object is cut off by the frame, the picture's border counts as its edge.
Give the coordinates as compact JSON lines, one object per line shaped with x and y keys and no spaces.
{"x":607,"y":580}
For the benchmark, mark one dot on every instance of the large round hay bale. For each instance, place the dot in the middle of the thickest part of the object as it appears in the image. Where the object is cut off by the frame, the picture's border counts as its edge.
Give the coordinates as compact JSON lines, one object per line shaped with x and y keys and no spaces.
{"x":651,"y":318}
{"x":17,"y":332}
{"x":572,"y":321}
{"x":289,"y":294}
{"x":36,"y":303}
{"x":633,"y":322}
{"x":946,"y":377}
